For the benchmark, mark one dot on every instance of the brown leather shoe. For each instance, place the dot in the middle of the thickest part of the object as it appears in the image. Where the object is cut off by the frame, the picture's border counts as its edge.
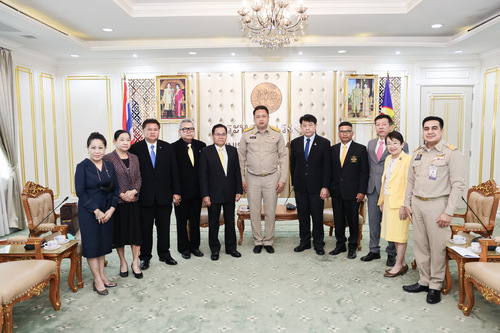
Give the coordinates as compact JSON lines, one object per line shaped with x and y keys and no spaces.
{"x":402,"y":271}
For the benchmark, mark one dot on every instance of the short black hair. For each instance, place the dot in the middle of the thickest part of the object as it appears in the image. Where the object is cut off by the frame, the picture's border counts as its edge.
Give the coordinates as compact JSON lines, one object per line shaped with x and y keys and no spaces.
{"x":217,"y":126}
{"x":429,"y":118}
{"x":120,"y":132}
{"x":96,"y":136}
{"x":395,"y":135}
{"x":308,"y":117}
{"x":261,"y":107}
{"x":150,"y":121}
{"x":345,"y":123}
{"x":384,"y":116}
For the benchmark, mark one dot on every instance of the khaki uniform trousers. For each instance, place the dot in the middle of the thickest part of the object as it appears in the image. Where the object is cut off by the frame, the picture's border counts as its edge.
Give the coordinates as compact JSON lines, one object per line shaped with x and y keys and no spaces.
{"x":259,"y":189}
{"x":429,"y":241}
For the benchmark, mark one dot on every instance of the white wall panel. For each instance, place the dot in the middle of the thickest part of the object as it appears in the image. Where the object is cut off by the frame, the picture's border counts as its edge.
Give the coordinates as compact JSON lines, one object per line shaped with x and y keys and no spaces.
{"x":88,"y":108}
{"x":489,"y":126}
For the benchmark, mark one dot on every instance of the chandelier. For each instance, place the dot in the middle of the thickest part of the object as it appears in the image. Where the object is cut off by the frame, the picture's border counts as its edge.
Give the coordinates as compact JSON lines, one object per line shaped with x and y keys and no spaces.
{"x":272,"y":23}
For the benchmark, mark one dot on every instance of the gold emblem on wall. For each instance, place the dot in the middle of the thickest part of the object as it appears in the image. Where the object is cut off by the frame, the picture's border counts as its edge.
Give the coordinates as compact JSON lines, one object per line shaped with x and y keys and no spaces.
{"x":266,"y":94}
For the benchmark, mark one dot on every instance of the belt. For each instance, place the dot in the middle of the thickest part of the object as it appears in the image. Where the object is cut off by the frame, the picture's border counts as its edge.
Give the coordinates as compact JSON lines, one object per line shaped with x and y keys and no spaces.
{"x":262,"y":174}
{"x":430,"y":199}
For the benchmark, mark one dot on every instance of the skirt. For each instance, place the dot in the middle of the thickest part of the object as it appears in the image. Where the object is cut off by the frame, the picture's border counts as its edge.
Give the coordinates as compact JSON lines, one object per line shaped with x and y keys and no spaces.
{"x":394,"y":229}
{"x":127,"y":225}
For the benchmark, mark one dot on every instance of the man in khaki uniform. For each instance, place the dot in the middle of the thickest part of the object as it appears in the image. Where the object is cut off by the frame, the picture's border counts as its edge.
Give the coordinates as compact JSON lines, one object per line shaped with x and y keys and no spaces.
{"x":264,"y":169}
{"x":436,"y":180}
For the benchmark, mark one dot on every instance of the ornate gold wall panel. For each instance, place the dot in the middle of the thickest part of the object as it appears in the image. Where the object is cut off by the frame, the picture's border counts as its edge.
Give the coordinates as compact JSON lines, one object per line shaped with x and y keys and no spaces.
{"x":489,"y":120}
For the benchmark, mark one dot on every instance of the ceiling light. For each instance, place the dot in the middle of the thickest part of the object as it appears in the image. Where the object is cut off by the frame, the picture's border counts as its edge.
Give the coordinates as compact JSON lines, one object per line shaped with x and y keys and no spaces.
{"x":341,"y":51}
{"x":458,"y":51}
{"x":134,"y":55}
{"x":107,"y":29}
{"x":272,"y":23}
{"x":398,"y":52}
{"x":301,"y":53}
{"x":436,"y":26}
{"x":74,"y":55}
{"x":192,"y":53}
{"x":233,"y":54}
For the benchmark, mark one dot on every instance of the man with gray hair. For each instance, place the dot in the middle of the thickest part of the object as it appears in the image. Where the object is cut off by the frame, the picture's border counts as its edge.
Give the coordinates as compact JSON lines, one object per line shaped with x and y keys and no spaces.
{"x":187,"y":150}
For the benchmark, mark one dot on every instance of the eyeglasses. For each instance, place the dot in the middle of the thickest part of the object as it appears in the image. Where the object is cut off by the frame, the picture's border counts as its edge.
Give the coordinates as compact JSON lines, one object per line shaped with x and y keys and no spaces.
{"x":220,"y":134}
{"x":187,"y":129}
{"x":344,"y":132}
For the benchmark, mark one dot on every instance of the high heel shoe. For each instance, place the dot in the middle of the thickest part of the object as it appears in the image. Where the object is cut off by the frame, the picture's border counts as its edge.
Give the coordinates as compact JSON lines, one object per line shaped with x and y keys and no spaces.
{"x":402,"y":271}
{"x":405,"y":267}
{"x":100,"y":292}
{"x":137,"y":275}
{"x":110,"y":285}
{"x":124,"y":274}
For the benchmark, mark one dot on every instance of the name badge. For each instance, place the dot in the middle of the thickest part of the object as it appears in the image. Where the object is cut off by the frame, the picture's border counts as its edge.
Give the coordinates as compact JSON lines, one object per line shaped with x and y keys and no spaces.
{"x":433,"y":172}
{"x":354,"y":159}
{"x":253,"y":137}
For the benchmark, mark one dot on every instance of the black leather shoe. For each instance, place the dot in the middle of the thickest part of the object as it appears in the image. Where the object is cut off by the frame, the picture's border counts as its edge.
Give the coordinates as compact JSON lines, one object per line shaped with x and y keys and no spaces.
{"x":337,"y":250}
{"x":320,"y":252}
{"x":100,"y":292}
{"x":351,"y":254}
{"x":168,"y":261}
{"x":144,"y":265}
{"x":301,"y":248}
{"x":257,"y":248}
{"x":415,"y":288}
{"x":234,"y":253}
{"x":137,"y":275}
{"x":215,"y":256}
{"x":391,"y":260}
{"x":197,"y":253}
{"x":186,"y":255}
{"x":433,"y":296}
{"x":269,"y":248}
{"x":371,"y":256}
{"x":124,"y":274}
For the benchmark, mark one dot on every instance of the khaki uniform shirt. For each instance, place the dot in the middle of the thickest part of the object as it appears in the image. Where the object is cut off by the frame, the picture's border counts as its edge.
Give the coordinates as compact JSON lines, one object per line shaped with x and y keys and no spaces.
{"x":261,"y":153}
{"x":436,"y":172}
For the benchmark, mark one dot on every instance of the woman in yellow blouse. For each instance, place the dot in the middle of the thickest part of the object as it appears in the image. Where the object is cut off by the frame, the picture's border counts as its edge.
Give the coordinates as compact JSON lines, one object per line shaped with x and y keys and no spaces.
{"x":395,"y":221}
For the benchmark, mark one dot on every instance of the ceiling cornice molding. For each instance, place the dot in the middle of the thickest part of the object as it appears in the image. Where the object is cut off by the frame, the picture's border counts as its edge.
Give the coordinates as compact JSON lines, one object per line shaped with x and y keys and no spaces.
{"x":8,"y":44}
{"x":230,"y":8}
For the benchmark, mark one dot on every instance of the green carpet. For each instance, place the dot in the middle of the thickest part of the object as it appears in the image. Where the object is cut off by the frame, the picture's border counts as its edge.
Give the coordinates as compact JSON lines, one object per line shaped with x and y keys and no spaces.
{"x":280,"y":292}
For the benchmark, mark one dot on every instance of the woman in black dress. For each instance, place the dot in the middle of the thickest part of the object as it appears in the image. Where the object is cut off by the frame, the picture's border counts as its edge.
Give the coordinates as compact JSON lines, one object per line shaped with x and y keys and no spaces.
{"x":127,"y":227}
{"x":97,"y":191}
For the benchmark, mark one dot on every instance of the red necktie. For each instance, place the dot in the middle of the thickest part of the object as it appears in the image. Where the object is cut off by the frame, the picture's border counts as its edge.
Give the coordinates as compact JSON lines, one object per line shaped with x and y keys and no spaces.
{"x":380,"y":150}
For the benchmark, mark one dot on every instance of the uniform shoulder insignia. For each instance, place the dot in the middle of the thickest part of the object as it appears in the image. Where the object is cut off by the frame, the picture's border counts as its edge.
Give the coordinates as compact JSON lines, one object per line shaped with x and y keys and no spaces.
{"x":420,"y":147}
{"x":248,"y":129}
{"x":452,"y":147}
{"x":276,"y":129}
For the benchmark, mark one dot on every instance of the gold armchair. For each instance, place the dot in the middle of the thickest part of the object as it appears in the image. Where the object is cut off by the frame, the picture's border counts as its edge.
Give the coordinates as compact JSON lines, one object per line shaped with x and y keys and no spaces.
{"x":38,"y":202}
{"x":483,"y":199}
{"x":484,"y":275}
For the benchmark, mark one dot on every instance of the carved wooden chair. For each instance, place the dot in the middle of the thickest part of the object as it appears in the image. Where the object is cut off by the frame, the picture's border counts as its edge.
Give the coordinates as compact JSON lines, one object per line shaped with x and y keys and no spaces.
{"x":22,"y":279}
{"x":328,"y":219}
{"x":483,"y":199}
{"x":38,"y":202}
{"x":484,"y":275}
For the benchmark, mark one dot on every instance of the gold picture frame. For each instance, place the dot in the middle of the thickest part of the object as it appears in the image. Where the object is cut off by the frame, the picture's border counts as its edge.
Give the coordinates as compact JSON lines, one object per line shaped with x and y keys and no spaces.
{"x":360,"y":98}
{"x":172,"y":98}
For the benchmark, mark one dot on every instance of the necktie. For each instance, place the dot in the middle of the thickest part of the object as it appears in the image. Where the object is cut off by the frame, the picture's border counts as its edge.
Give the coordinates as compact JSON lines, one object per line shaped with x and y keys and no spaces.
{"x":153,"y":155}
{"x":342,"y":159}
{"x":380,"y":150}
{"x":307,"y":148}
{"x":190,"y":154}
{"x":221,"y":156}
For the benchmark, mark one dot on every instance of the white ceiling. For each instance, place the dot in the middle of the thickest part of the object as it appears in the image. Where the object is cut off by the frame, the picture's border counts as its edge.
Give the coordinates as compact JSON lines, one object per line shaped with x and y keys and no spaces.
{"x":170,"y":29}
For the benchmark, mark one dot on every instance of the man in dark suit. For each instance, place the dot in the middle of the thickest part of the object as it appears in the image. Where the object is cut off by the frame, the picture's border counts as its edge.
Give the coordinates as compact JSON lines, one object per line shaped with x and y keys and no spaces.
{"x":187,"y":150}
{"x":220,"y":187}
{"x":348,"y":187}
{"x":310,"y":165}
{"x":377,"y":153}
{"x":160,"y":185}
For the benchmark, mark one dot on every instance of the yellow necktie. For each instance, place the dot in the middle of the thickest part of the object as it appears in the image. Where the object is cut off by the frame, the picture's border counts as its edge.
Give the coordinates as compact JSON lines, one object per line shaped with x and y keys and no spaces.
{"x":343,"y":157}
{"x":221,"y":156}
{"x":190,"y":154}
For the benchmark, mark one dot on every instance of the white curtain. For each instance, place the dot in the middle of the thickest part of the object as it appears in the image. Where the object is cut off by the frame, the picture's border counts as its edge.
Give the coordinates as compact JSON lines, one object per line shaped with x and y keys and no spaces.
{"x":12,"y":215}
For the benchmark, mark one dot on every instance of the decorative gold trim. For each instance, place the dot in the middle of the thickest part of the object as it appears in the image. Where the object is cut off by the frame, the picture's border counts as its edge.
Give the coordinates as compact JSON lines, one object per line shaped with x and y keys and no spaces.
{"x":446,"y":97}
{"x":335,"y":106}
{"x":243,"y":99}
{"x":33,"y":190}
{"x":493,"y":128}
{"x":198,"y":102}
{"x":488,"y":188}
{"x":481,"y":150}
{"x":406,"y":108}
{"x":187,"y":97}
{"x":68,"y":114}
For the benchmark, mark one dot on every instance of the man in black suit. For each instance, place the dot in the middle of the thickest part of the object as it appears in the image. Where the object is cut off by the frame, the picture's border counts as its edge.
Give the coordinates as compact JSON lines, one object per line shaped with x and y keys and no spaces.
{"x":160,"y":185}
{"x":220,"y":187}
{"x":348,"y":188}
{"x":187,"y":150}
{"x":310,"y":167}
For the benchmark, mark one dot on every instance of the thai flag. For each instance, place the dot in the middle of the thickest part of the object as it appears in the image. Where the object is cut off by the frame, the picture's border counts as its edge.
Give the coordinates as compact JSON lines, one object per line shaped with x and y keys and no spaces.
{"x":387,"y":102}
{"x":127,"y":119}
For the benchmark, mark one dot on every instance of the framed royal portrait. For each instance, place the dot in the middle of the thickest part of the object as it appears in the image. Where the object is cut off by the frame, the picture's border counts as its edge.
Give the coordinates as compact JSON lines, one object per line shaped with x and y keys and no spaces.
{"x":361,"y":98}
{"x":172,"y":98}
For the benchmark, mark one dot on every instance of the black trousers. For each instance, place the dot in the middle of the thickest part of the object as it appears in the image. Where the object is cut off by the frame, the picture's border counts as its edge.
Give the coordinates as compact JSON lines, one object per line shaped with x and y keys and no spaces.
{"x":229,"y":229}
{"x":158,"y":215}
{"x":188,"y":210}
{"x":346,"y":210}
{"x":310,"y":205}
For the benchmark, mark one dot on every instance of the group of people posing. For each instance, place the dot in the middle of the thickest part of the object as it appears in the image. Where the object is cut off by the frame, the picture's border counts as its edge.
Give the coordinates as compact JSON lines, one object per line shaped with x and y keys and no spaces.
{"x":135,"y":186}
